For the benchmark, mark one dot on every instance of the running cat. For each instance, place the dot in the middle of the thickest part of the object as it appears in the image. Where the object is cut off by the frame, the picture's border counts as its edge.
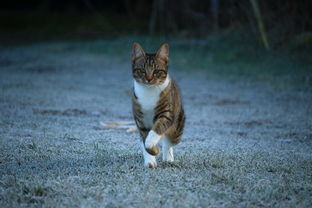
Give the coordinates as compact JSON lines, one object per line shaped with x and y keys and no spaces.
{"x":157,"y":105}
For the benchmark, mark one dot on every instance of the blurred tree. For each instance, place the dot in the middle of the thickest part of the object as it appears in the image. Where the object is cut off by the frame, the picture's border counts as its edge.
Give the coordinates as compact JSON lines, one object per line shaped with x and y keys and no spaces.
{"x":284,"y":19}
{"x":257,"y":12}
{"x":215,"y":14}
{"x":153,"y":18}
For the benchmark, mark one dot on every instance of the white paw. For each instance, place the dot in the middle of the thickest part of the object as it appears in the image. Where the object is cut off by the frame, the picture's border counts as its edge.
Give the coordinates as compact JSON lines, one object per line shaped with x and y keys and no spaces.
{"x":167,"y":150}
{"x":152,"y":139}
{"x":150,"y":162}
{"x":168,"y":157}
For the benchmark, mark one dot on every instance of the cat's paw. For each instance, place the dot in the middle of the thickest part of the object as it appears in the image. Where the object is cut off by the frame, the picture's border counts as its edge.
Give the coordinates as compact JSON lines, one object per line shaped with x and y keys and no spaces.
{"x":151,"y":142}
{"x":153,"y":151}
{"x":168,"y":155}
{"x":150,"y":163}
{"x":167,"y":150}
{"x":168,"y":159}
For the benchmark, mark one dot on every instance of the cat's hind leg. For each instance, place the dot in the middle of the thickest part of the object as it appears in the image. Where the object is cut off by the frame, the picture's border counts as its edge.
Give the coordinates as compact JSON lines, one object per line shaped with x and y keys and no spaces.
{"x":167,"y":150}
{"x":149,"y":160}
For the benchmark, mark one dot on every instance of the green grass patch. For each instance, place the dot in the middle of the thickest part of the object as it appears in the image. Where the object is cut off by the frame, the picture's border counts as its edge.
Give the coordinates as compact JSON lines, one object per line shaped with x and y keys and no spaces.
{"x":224,"y":56}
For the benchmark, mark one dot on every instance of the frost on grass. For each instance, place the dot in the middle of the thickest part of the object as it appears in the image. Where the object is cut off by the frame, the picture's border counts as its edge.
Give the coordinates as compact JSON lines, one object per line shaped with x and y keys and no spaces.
{"x":245,"y":144}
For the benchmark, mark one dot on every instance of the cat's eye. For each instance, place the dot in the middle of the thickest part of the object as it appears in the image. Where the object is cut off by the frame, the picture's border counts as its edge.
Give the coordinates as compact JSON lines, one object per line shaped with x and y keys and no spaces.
{"x":141,"y":71}
{"x":159,"y":73}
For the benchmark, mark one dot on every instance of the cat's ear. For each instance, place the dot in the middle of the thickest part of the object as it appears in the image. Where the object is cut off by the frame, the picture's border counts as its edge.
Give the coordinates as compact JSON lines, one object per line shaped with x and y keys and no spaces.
{"x":163,"y":52}
{"x":137,"y":51}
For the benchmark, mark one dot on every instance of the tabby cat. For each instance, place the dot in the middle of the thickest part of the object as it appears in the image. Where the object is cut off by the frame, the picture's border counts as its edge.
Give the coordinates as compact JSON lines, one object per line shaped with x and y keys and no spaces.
{"x":157,"y":104}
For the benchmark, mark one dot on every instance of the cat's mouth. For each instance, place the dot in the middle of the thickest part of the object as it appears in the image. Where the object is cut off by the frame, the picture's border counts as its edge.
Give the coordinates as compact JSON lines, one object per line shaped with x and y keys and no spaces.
{"x":151,"y":82}
{"x":148,"y":83}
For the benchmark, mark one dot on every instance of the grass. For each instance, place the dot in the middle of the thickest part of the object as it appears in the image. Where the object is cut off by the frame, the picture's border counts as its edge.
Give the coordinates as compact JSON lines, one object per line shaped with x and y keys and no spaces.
{"x":247,"y":141}
{"x":103,"y":176}
{"x":238,"y":56}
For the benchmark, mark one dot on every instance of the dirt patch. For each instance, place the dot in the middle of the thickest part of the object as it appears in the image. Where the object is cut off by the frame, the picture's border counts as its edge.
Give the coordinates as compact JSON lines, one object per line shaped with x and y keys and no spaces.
{"x":251,"y":124}
{"x":247,"y":124}
{"x":67,"y":112}
{"x":223,"y":102}
{"x":41,"y":69}
{"x":241,"y":134}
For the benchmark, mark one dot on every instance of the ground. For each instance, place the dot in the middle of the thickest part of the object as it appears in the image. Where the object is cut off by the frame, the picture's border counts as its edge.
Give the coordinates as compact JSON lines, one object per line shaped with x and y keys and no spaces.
{"x":247,"y":142}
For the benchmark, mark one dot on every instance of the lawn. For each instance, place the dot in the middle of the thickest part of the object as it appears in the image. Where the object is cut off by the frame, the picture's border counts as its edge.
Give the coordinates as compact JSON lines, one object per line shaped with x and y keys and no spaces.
{"x":247,"y":140}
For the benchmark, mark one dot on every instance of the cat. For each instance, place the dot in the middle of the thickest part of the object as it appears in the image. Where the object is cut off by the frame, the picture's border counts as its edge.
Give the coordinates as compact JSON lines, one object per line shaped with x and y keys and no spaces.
{"x":157,"y":104}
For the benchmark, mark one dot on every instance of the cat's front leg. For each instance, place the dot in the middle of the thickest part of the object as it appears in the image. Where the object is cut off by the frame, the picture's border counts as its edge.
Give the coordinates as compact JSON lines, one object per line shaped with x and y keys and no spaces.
{"x":163,"y":121}
{"x":151,"y":142}
{"x":149,"y":160}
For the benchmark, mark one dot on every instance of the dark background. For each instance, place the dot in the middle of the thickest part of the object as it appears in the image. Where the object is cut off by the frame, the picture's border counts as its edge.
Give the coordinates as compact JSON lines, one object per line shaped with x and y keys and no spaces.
{"x":264,"y":40}
{"x":284,"y":20}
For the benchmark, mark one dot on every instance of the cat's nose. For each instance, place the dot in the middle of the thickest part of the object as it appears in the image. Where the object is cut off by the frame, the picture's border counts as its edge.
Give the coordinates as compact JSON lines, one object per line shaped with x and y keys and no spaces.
{"x":149,"y":77}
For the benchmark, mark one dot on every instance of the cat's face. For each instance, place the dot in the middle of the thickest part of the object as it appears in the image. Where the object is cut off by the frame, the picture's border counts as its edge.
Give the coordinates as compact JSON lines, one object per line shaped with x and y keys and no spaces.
{"x":150,"y":69}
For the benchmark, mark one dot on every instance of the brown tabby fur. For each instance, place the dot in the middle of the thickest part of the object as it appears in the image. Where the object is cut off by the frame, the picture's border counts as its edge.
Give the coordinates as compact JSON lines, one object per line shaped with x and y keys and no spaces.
{"x":169,"y":115}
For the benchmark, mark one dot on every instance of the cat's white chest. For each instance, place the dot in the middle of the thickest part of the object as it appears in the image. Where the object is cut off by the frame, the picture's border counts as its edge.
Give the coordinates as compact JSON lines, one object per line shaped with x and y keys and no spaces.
{"x":148,"y":97}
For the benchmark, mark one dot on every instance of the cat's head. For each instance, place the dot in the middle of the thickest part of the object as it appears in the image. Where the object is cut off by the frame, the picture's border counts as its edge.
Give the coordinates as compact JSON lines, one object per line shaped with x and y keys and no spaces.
{"x":150,"y":69}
